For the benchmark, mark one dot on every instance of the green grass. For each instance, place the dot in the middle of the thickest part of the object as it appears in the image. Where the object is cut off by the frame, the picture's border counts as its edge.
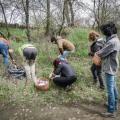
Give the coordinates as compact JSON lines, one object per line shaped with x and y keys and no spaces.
{"x":80,"y":38}
{"x":83,"y":89}
{"x":14,"y":31}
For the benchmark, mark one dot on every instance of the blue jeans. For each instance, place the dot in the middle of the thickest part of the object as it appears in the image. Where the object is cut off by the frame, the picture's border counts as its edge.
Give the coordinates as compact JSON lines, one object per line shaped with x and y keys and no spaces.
{"x":64,"y":55}
{"x":112,"y":93}
{"x":4,"y":52}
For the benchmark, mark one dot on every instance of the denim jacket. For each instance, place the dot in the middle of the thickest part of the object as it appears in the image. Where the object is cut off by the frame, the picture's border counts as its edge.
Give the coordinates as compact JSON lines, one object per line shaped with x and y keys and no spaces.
{"x":109,"y":54}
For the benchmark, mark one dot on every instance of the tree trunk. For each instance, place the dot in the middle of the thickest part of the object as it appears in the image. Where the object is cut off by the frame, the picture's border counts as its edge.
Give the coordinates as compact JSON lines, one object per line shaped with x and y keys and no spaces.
{"x":98,"y":17}
{"x":8,"y":33}
{"x":48,"y":18}
{"x":66,"y":6}
{"x":96,"y":9}
{"x":93,"y":26}
{"x":72,"y":13}
{"x":27,"y":20}
{"x":63,"y":20}
{"x":26,"y":10}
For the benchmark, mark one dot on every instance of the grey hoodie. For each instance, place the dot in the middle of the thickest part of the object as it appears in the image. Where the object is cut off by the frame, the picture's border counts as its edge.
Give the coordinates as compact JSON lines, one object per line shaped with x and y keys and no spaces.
{"x":109,"y":54}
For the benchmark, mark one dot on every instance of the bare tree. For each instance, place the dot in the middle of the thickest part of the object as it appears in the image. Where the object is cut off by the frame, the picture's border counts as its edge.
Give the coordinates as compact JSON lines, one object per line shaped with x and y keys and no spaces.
{"x":8,"y":33}
{"x":26,"y":10}
{"x":56,"y":14}
{"x":72,"y":12}
{"x":67,"y":12}
{"x":105,"y":10}
{"x":48,"y":18}
{"x":63,"y":19}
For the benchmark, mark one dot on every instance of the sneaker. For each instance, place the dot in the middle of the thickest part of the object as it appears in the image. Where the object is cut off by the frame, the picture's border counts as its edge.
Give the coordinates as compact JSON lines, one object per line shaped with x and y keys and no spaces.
{"x":108,"y":114}
{"x":106,"y":105}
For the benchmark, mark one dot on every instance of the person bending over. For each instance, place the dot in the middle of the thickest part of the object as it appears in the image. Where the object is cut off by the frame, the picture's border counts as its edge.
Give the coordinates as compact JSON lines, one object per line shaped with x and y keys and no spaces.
{"x":65,"y":47}
{"x":29,"y":53}
{"x":5,"y":50}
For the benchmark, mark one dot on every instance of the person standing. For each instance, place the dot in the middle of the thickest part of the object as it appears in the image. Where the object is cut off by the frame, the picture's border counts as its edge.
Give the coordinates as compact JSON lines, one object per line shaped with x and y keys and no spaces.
{"x":109,"y":56}
{"x":96,"y":44}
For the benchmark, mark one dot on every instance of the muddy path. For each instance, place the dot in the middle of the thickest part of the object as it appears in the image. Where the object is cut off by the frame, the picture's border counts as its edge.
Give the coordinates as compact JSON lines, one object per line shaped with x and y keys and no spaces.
{"x":75,"y":111}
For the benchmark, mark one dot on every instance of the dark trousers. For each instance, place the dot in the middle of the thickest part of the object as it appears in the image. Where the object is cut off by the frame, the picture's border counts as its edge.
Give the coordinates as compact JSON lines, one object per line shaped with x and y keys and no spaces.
{"x":30,"y":53}
{"x":64,"y":81}
{"x":96,"y":72}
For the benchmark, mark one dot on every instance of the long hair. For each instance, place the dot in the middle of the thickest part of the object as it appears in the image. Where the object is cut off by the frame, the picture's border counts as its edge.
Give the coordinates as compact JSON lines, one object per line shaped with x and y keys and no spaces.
{"x":93,"y":35}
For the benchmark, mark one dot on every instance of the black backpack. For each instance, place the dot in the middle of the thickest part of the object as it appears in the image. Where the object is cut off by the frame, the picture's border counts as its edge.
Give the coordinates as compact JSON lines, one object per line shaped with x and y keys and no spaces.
{"x":15,"y":71}
{"x":97,"y":44}
{"x":100,"y":42}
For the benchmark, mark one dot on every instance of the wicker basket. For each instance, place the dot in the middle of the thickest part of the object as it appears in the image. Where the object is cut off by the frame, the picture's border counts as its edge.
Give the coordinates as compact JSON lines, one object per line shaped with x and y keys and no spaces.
{"x":42,"y":84}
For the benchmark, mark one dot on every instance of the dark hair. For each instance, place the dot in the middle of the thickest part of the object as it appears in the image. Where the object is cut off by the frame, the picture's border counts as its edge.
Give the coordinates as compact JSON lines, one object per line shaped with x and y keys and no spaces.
{"x":56,"y":62}
{"x":53,"y":39}
{"x":109,"y":29}
{"x":114,"y":29}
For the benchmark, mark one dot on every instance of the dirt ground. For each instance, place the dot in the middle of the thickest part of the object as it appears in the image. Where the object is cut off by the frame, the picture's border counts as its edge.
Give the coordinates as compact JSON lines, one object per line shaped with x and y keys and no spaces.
{"x":55,"y":112}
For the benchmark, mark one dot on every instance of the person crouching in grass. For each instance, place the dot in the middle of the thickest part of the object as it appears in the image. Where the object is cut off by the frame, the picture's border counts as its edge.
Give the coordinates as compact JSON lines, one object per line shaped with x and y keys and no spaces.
{"x":96,"y":44}
{"x":63,"y":74}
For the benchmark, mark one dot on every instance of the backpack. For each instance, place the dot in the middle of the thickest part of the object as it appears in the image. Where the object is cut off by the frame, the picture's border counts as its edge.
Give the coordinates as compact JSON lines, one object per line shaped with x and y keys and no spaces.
{"x":15,"y":71}
{"x":97,"y":44}
{"x":100,"y":42}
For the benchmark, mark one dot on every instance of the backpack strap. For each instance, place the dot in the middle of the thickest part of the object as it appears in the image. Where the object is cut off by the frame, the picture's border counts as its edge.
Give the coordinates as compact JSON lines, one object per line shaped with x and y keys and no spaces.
{"x":100,"y":42}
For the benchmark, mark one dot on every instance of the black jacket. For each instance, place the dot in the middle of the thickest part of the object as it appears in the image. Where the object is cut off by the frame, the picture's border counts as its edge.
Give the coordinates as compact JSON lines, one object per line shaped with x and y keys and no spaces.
{"x":64,"y":69}
{"x":96,"y":46}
